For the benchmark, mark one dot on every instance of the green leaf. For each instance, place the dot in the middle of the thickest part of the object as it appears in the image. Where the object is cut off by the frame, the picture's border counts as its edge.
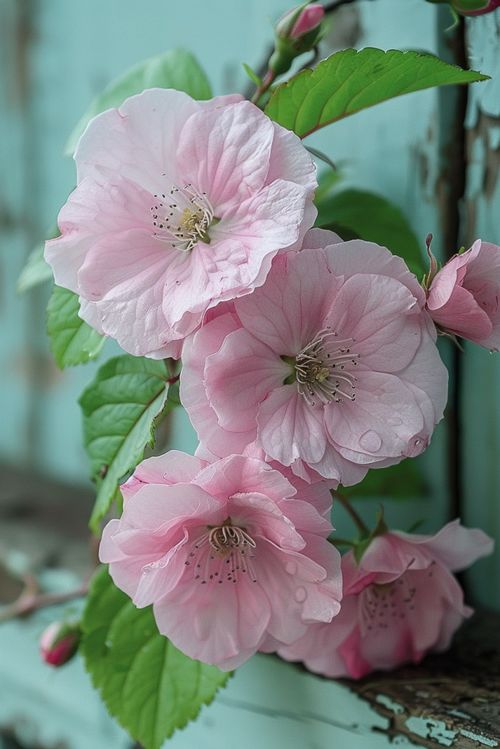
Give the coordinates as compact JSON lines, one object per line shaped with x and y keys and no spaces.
{"x":148,"y":685}
{"x":252,"y":74}
{"x":352,"y":80}
{"x":119,"y":411}
{"x":177,"y":69}
{"x":358,"y":213}
{"x":72,"y":341}
{"x":402,"y":481}
{"x":36,"y":270}
{"x":173,"y":400}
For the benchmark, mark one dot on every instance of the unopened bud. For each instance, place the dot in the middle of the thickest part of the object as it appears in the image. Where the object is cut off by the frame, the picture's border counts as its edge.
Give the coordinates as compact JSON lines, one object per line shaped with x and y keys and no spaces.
{"x":299,"y":21}
{"x":59,"y":642}
{"x":298,"y":31}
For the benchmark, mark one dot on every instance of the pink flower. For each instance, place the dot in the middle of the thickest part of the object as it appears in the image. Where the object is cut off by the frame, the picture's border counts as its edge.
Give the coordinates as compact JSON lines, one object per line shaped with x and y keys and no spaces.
{"x":59,"y":643}
{"x":464,"y":295}
{"x":299,"y":21}
{"x":330,"y":367}
{"x":228,"y":553}
{"x":399,"y":603}
{"x":180,"y":205}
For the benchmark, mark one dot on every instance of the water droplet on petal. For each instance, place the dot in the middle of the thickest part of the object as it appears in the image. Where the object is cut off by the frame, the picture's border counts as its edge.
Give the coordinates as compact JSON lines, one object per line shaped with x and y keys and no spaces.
{"x":300,"y":595}
{"x":291,"y":568}
{"x":370,"y":441}
{"x":416,"y":446}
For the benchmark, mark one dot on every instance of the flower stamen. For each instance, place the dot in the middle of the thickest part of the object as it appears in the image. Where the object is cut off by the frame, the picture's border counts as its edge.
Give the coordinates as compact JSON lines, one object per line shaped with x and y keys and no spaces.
{"x":322,"y":369}
{"x":221,"y":553}
{"x":182,"y":217}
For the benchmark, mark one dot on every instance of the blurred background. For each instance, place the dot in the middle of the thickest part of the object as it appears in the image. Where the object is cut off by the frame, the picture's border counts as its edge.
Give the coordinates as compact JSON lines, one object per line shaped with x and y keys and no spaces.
{"x":435,"y":155}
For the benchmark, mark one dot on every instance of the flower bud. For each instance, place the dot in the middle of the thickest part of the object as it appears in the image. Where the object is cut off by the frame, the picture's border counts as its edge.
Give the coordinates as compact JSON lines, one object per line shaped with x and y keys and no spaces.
{"x":299,"y":21}
{"x":298,"y":31}
{"x":59,"y":642}
{"x":463,"y":297}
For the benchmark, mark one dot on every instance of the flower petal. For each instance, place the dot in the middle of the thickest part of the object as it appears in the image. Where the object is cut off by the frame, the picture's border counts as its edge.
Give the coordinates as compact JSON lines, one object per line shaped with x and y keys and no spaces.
{"x":239,"y":376}
{"x":138,"y":139}
{"x":379,"y":424}
{"x":193,"y":392}
{"x":289,"y":310}
{"x":222,"y":624}
{"x":357,"y":256}
{"x":378,"y":313}
{"x":288,"y":428}
{"x":237,"y":474}
{"x":225,"y":153}
{"x":173,"y":467}
{"x":455,"y":546}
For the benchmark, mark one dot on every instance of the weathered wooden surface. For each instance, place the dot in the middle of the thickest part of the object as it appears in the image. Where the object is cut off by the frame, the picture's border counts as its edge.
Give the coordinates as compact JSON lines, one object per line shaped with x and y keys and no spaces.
{"x":43,"y":524}
{"x":449,"y":700}
{"x":480,"y":370}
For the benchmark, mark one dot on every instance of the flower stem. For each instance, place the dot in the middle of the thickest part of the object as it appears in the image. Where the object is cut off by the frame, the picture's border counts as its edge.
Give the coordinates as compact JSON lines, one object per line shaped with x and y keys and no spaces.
{"x":335,"y":541}
{"x":173,"y":370}
{"x":28,"y":602}
{"x":336,"y":4}
{"x":353,"y":514}
{"x":264,"y":86}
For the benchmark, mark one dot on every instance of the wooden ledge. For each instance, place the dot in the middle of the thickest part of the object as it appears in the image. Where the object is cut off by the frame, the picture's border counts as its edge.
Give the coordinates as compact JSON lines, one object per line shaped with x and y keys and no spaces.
{"x":448,"y":700}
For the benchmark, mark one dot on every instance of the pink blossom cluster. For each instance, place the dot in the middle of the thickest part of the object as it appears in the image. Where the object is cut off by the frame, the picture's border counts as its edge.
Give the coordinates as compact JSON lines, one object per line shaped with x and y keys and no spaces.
{"x":306,"y":361}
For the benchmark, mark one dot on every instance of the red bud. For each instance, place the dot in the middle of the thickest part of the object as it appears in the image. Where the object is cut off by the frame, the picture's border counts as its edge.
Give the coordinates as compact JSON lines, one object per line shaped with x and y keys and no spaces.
{"x":299,"y":21}
{"x":59,"y":642}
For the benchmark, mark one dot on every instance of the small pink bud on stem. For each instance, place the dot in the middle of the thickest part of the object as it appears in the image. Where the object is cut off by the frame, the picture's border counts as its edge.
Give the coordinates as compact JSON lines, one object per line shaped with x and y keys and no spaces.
{"x":299,"y":21}
{"x":59,"y":642}
{"x":298,"y":31}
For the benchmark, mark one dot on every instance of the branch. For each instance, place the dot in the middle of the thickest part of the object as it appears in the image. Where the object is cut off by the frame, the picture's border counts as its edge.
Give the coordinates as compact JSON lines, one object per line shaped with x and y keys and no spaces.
{"x":335,"y":4}
{"x":29,"y":601}
{"x":355,"y":517}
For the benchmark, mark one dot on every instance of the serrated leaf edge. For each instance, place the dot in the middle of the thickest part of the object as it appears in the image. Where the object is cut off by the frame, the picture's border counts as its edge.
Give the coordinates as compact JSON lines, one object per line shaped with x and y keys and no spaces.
{"x":127,"y":603}
{"x":310,"y":73}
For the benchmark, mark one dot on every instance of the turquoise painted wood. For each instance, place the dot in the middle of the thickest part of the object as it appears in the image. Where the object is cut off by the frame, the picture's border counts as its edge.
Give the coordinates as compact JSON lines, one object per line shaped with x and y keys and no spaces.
{"x":56,"y":55}
{"x":480,"y":390}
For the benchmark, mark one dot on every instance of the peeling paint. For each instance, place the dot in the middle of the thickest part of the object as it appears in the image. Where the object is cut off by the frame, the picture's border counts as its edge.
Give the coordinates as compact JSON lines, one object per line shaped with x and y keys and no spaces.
{"x":494,"y":137}
{"x":477,"y":737}
{"x":428,"y":728}
{"x":394,"y":707}
{"x":483,"y":36}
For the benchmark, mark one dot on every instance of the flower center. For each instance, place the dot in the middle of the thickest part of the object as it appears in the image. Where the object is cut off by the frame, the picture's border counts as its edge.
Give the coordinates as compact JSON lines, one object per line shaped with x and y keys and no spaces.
{"x":382,"y":606}
{"x":182,"y":217}
{"x":323,"y":369}
{"x":221,"y":554}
